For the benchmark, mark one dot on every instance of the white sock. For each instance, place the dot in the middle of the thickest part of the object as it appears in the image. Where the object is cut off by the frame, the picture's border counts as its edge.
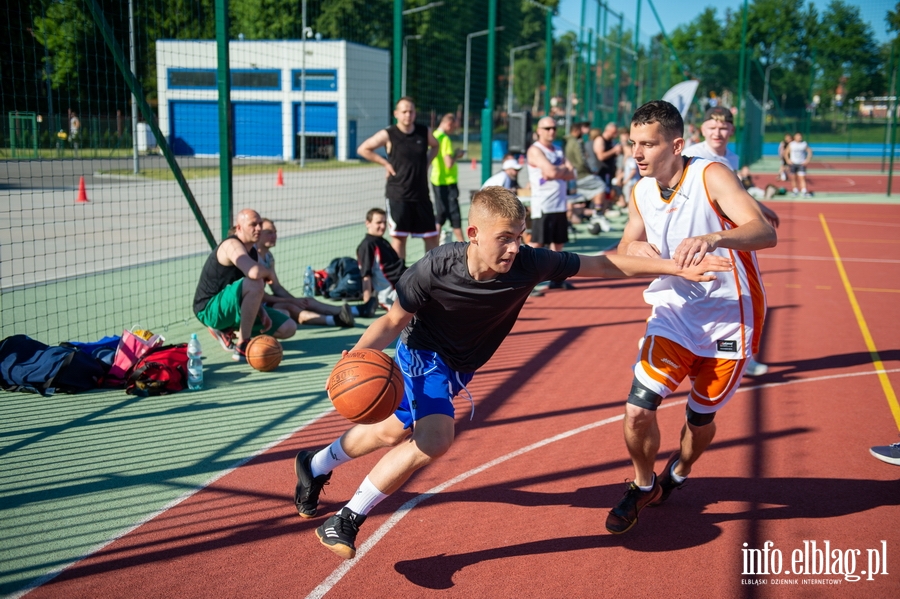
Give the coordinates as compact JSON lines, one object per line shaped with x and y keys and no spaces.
{"x":675,"y":478}
{"x":648,"y":487}
{"x":803,"y":190}
{"x":329,"y":320}
{"x":366,"y":497}
{"x":795,"y":190}
{"x":328,"y":459}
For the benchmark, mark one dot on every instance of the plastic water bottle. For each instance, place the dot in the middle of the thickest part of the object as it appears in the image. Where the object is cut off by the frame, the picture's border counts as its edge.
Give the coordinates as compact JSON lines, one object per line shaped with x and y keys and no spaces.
{"x":195,"y":364}
{"x":309,"y":282}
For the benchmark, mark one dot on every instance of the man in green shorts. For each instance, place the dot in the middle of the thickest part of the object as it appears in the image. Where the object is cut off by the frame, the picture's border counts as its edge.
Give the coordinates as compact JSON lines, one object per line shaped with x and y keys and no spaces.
{"x":231,"y":289}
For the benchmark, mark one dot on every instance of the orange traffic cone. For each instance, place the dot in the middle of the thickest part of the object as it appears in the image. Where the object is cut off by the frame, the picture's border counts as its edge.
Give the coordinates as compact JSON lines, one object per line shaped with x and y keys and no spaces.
{"x":473,"y":164}
{"x":279,"y":181}
{"x":82,"y":193}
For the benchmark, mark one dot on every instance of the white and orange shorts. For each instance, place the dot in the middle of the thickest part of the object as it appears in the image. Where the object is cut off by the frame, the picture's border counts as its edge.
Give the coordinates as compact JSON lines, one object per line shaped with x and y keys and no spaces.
{"x":664,"y":364}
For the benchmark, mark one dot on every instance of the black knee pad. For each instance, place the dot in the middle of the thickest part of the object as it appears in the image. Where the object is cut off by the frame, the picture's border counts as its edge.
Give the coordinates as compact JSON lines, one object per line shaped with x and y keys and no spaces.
{"x":698,"y":419}
{"x":643,"y":397}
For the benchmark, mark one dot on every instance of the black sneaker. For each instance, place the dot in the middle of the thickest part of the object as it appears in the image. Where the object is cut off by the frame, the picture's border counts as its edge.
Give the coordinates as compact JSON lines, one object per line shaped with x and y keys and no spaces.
{"x":665,"y":480}
{"x":306,"y":494}
{"x":561,"y":285}
{"x":338,"y":533}
{"x":367,"y":310}
{"x":625,"y":515}
{"x":344,"y":319}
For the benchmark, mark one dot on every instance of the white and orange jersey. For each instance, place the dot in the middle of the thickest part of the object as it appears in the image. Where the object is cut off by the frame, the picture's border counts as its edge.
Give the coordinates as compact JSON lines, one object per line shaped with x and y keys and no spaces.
{"x":716,"y":319}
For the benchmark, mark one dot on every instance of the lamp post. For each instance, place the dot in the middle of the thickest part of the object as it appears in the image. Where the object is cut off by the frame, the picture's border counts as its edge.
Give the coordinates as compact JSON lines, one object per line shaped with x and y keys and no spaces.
{"x":512,"y":68}
{"x":403,"y":67}
{"x":765,"y":102}
{"x":468,"y":78}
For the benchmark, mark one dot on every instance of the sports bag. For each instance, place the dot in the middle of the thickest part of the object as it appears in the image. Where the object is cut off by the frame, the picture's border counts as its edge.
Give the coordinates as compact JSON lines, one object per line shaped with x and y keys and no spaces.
{"x":343,"y":280}
{"x":31,"y":366}
{"x":160,"y":371}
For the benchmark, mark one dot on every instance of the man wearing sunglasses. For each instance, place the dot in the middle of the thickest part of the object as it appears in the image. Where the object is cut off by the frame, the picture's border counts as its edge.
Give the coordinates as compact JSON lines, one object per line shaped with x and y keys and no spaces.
{"x":548,"y":171}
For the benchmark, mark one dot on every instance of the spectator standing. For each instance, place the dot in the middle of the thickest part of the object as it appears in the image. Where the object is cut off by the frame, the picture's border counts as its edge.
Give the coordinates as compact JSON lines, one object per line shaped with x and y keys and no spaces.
{"x":798,"y":156}
{"x":410,"y":149}
{"x":444,"y":178}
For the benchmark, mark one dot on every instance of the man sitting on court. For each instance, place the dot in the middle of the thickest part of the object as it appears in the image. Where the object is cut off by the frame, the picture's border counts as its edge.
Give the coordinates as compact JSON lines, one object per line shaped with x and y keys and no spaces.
{"x":379,"y":264}
{"x":231,"y":289}
{"x":305,"y":310}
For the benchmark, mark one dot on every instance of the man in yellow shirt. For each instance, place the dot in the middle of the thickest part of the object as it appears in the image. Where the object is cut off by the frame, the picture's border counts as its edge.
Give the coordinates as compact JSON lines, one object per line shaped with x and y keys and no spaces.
{"x":444,"y":178}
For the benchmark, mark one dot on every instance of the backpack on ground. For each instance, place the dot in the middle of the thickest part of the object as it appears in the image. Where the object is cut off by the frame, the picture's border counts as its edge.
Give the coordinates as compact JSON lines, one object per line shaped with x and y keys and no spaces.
{"x":31,"y":366}
{"x":343,"y":280}
{"x":160,"y":371}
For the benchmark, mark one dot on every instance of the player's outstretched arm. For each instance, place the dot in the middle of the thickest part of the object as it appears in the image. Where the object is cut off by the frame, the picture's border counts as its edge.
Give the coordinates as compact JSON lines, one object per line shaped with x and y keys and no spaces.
{"x":621,"y":267}
{"x":385,"y":329}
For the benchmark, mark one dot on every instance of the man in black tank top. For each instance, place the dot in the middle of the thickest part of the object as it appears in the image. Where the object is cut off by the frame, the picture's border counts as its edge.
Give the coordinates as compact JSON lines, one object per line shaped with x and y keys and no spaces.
{"x":410,"y":149}
{"x":232,"y":285}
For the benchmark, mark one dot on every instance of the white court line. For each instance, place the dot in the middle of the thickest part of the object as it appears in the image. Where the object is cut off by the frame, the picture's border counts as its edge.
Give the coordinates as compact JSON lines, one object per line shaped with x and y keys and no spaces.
{"x":843,"y":222}
{"x":827,"y":258}
{"x":339,"y":572}
{"x":57,"y":571}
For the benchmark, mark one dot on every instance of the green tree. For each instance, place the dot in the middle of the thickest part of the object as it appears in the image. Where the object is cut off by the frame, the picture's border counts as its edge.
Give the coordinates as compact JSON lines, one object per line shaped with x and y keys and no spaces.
{"x":848,"y":54}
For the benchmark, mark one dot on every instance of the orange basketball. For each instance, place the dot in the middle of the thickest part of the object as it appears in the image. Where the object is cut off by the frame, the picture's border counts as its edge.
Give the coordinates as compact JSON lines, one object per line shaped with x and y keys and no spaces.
{"x":264,"y":353}
{"x":366,"y":386}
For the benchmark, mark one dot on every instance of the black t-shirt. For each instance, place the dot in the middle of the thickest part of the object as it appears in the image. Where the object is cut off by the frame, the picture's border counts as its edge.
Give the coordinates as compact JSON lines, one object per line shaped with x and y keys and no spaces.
{"x":409,"y":158}
{"x":608,"y":166}
{"x":463,"y":320}
{"x":214,"y":277}
{"x":391,"y":264}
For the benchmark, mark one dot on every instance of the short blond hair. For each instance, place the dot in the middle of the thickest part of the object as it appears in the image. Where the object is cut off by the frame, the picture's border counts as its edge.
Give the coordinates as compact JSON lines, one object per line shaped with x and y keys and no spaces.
{"x":498,"y":202}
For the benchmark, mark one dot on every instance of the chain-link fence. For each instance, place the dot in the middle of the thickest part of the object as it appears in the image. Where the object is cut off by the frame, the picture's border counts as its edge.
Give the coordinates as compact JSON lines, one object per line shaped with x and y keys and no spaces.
{"x":112,"y":199}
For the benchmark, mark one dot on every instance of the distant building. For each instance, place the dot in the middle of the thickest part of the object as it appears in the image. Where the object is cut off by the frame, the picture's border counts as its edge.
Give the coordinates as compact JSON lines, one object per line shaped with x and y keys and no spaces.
{"x":347,"y":97}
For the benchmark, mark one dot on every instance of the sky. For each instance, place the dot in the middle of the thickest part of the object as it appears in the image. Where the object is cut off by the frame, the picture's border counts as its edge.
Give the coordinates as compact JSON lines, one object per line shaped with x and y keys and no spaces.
{"x":680,"y":12}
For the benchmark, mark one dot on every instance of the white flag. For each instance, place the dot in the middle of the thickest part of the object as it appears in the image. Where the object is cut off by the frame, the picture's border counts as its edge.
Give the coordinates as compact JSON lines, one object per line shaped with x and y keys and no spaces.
{"x":681,"y":95}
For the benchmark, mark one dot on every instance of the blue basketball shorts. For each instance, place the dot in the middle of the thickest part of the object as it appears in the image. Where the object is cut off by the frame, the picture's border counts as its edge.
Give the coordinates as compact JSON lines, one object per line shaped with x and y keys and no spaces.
{"x":430,"y":385}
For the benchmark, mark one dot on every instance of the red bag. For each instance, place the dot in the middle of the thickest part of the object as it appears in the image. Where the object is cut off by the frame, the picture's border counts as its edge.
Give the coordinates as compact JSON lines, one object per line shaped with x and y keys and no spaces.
{"x":162,"y":370}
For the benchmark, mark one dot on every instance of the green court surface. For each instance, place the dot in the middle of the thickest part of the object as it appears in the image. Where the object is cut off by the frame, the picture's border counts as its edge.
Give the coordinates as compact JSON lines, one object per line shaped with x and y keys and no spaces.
{"x":81,"y":470}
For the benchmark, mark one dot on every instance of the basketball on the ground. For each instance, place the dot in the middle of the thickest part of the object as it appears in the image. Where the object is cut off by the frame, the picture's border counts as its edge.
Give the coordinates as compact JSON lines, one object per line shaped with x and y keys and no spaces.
{"x":264,"y":353}
{"x":366,"y":386}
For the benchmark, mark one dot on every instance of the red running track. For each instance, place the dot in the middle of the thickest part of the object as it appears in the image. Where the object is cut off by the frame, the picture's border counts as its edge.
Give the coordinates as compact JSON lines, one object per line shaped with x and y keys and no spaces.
{"x":789,"y":465}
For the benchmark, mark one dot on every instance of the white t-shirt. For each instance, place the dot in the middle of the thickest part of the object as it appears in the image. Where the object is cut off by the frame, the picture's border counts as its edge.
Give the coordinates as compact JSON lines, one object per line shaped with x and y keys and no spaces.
{"x":702,"y":150}
{"x":797,"y":150}
{"x":500,"y":179}
{"x":547,"y":195}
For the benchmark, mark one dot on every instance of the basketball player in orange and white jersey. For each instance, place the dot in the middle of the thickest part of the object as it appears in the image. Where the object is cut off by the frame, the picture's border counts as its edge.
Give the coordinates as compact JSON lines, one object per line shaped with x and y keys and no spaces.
{"x":685,"y":208}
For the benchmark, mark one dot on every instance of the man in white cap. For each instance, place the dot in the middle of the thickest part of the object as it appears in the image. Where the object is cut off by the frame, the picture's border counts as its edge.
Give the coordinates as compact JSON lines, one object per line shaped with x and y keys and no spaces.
{"x":508,"y":175}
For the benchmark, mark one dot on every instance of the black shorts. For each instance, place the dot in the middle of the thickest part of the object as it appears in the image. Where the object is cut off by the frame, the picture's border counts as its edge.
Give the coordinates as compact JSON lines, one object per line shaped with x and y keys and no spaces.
{"x":550,"y":228}
{"x":414,"y":219}
{"x":798,"y":169}
{"x":446,"y":205}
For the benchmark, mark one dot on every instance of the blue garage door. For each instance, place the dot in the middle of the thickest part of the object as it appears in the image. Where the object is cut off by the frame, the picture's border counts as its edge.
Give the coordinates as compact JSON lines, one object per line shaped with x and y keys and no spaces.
{"x":257,"y":129}
{"x":321,"y":129}
{"x":195,"y":128}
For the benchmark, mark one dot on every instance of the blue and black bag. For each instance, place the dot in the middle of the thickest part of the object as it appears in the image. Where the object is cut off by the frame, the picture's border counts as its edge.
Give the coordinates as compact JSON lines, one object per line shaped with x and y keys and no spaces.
{"x":34,"y":367}
{"x":343,"y":280}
